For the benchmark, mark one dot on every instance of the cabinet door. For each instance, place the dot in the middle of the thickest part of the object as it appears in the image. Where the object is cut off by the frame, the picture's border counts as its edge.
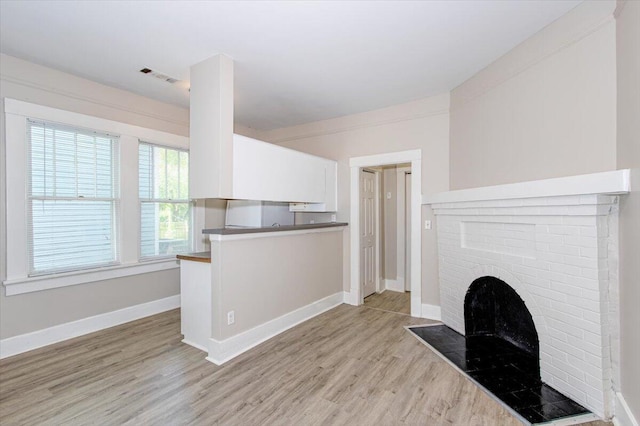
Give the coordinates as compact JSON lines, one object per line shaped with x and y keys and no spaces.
{"x":263,"y":171}
{"x":330,"y":203}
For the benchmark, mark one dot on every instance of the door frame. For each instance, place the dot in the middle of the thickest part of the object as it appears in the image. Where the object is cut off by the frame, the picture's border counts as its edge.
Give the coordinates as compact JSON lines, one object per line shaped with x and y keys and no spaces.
{"x":378,"y":217}
{"x":355,"y":163}
{"x":401,"y":226}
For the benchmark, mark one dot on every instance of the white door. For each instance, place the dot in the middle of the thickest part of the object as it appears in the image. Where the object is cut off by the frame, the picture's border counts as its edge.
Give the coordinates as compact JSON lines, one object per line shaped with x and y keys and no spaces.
{"x":407,"y":231}
{"x":367,"y":232}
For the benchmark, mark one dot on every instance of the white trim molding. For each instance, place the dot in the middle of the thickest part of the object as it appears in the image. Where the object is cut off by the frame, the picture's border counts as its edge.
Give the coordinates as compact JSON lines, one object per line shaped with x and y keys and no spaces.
{"x":17,"y":278}
{"x":35,"y":111}
{"x":46,"y":282}
{"x":414,"y":110}
{"x":394,"y":285}
{"x":613,"y":182}
{"x":225,"y":350}
{"x":26,"y":342}
{"x":386,"y":159}
{"x":349,"y":299}
{"x":195,"y":345}
{"x":401,"y":225}
{"x":355,"y":163}
{"x":60,"y":83}
{"x":623,"y":415}
{"x":431,"y":312}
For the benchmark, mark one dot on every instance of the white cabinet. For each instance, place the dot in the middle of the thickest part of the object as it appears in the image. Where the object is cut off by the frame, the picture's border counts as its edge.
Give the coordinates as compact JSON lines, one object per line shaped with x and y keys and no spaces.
{"x":330,"y":203}
{"x":308,"y":207}
{"x":195,"y":303}
{"x":263,"y":171}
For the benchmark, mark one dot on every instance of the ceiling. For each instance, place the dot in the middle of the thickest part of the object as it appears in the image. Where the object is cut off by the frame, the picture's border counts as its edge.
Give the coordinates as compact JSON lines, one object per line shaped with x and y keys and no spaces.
{"x":295,"y":62}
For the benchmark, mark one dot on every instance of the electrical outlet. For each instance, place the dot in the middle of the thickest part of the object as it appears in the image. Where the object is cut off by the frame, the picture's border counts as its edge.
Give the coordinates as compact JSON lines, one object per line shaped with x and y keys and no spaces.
{"x":427,"y":224}
{"x":231,"y":317}
{"x":333,"y":218}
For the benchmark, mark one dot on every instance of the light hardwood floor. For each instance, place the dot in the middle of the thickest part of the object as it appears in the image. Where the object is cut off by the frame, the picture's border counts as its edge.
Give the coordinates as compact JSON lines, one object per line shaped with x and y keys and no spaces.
{"x":392,"y":301}
{"x":350,"y":365}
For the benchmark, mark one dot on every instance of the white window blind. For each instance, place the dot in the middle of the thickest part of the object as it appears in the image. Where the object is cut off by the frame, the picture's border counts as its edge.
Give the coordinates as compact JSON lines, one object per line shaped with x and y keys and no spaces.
{"x":73,"y":194}
{"x":165,"y":209}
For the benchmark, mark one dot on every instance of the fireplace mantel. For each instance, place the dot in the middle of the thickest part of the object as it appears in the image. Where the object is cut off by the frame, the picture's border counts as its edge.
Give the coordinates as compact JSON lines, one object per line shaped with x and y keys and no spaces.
{"x":613,"y":182}
{"x":555,"y":242}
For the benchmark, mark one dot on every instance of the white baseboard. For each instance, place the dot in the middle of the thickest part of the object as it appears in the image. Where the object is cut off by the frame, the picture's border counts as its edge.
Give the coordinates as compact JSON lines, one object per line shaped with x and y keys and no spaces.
{"x":223,"y":351}
{"x":195,"y":345}
{"x":349,"y":298}
{"x":37,"y":339}
{"x":394,"y":285}
{"x":624,"y":416}
{"x":431,"y":312}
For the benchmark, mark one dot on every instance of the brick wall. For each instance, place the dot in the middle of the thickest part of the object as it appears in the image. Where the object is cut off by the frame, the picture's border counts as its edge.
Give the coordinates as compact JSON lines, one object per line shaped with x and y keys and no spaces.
{"x":557,"y":253}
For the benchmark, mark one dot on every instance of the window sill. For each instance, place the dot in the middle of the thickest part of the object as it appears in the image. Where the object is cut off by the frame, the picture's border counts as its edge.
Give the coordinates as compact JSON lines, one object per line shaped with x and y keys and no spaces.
{"x":45,"y":282}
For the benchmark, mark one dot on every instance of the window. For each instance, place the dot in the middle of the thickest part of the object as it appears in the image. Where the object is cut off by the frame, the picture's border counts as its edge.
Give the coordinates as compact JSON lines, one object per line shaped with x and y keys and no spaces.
{"x":72,"y":198}
{"x":165,"y":209}
{"x":69,"y":221}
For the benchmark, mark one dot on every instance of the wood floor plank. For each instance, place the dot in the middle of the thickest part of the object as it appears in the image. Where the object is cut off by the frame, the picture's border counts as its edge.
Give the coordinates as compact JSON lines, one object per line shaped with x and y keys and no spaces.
{"x":348,"y":366}
{"x":392,"y":301}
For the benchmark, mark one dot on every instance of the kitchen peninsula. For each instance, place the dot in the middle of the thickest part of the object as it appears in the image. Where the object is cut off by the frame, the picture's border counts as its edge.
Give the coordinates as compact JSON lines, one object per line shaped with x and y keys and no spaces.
{"x":258,"y":282}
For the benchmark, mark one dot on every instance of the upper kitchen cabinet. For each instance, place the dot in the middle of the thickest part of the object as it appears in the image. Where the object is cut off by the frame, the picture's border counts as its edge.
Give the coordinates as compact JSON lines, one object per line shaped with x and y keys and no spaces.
{"x":330,"y":202}
{"x":263,"y":171}
{"x":226,"y":165}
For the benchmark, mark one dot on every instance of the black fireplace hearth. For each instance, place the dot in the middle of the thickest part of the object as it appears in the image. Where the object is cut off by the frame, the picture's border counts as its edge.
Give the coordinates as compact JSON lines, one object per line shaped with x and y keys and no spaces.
{"x":501,"y":352}
{"x":504,"y":370}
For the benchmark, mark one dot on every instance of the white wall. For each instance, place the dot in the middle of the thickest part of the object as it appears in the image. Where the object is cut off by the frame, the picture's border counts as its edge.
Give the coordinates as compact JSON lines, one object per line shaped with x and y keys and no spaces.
{"x":32,"y":83}
{"x":628,"y":153}
{"x":300,"y":270}
{"x":564,"y":102}
{"x":215,"y":211}
{"x":545,"y":109}
{"x":422,"y":124}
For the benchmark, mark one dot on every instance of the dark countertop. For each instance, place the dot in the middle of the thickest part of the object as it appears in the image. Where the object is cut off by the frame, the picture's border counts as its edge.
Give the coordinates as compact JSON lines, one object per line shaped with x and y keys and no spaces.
{"x":201,"y":256}
{"x":235,"y":231}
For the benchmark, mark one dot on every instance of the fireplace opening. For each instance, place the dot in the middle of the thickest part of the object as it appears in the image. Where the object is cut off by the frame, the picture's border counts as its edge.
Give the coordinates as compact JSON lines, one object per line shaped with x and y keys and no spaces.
{"x":501,"y":352}
{"x":493,"y":308}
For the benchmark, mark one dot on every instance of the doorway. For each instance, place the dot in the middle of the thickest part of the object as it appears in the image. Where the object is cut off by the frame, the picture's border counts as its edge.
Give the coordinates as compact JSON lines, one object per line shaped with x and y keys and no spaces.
{"x":384,"y":188}
{"x":410,"y":232}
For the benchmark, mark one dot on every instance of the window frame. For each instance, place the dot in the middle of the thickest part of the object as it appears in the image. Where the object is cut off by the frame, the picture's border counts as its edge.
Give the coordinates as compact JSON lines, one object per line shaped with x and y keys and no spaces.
{"x":114,"y":200}
{"x":17,"y":279}
{"x":164,"y":200}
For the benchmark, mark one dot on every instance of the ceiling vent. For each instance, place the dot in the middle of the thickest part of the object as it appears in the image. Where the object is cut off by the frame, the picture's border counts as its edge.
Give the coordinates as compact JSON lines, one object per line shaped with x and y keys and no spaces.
{"x":159,"y":75}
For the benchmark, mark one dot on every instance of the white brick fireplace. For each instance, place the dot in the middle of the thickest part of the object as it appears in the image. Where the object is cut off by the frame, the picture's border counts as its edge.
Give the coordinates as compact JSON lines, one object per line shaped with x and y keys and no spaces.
{"x":555,"y":242}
